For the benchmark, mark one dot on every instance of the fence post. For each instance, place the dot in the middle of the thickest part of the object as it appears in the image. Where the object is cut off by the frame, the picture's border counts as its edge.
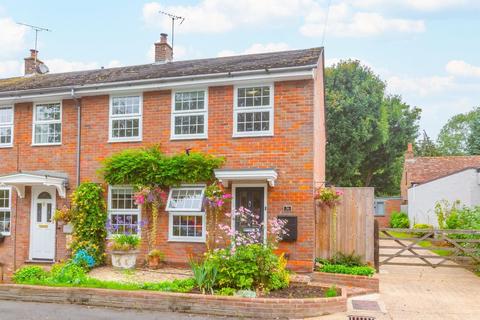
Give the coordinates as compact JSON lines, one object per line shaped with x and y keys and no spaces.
{"x":376,"y":246}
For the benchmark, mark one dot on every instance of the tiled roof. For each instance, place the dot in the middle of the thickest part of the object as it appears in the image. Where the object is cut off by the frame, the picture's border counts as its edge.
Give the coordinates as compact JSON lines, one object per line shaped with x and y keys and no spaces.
{"x":423,"y":169}
{"x":285,"y":59}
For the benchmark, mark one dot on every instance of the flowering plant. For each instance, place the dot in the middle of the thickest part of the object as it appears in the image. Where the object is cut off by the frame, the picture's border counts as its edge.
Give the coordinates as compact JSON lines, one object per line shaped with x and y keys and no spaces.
{"x":253,"y":233}
{"x":64,"y":214}
{"x":84,"y":259}
{"x":124,"y":242}
{"x":328,"y":196}
{"x":216,"y":202}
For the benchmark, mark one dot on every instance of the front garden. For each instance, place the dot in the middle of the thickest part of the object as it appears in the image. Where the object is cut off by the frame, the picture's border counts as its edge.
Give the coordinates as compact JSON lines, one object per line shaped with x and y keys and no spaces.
{"x":241,"y":264}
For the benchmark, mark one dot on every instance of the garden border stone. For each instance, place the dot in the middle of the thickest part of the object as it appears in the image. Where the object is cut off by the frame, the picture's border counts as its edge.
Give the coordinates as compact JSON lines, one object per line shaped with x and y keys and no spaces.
{"x":370,"y":284}
{"x":266,"y":308}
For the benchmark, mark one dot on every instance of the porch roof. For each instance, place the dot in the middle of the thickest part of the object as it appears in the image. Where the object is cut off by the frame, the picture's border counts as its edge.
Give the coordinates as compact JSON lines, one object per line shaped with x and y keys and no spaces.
{"x":227,"y":175}
{"x":20,"y":180}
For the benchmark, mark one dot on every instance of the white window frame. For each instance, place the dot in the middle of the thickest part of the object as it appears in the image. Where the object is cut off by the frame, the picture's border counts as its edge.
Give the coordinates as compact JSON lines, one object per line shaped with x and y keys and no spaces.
{"x":9,"y":209}
{"x":237,"y":110}
{"x":39,"y":122}
{"x":185,"y":187}
{"x":138,"y":116}
{"x":186,"y":212}
{"x":111,"y":211}
{"x":175,"y":113}
{"x":10,"y":125}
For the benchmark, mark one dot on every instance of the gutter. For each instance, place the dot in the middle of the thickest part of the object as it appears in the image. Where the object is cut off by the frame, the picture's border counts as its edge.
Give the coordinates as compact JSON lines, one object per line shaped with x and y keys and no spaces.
{"x":152,"y":84}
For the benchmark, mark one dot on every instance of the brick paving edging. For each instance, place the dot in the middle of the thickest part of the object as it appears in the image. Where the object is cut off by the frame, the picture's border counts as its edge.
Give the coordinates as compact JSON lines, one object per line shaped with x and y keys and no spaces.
{"x":179,"y":302}
{"x":371,"y":284}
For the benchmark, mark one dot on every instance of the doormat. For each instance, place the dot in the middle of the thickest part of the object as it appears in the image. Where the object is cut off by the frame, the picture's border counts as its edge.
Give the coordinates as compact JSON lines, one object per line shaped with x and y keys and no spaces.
{"x":365,"y":305}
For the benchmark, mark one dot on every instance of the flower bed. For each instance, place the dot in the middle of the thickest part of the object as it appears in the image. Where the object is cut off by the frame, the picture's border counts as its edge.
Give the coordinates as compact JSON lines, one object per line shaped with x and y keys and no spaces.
{"x":264,"y":308}
{"x":371,"y":284}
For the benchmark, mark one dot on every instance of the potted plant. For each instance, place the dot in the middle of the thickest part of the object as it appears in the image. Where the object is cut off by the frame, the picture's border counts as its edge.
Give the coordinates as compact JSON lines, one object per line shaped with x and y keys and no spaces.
{"x":64,"y":217}
{"x":124,"y":250}
{"x":155,"y":259}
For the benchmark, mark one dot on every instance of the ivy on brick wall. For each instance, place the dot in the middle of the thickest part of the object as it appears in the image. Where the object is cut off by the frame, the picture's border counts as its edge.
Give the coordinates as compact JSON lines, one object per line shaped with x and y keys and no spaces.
{"x":151,"y":167}
{"x":88,"y":216}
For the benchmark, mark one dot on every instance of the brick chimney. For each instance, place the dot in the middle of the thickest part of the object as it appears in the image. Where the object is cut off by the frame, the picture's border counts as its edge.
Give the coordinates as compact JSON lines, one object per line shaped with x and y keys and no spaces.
{"x":163,"y":51}
{"x":409,"y":153}
{"x":32,"y":63}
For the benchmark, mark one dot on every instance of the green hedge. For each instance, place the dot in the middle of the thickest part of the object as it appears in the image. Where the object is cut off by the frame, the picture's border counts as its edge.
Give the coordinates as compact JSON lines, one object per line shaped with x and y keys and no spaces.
{"x":339,"y":268}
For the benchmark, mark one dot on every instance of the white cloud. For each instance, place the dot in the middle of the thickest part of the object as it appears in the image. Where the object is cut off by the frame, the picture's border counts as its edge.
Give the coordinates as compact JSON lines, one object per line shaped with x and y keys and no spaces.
{"x":12,"y":37}
{"x":10,"y":68}
{"x":418,"y":5}
{"x":216,"y":16}
{"x":257,"y":48}
{"x":462,"y":69}
{"x":344,"y":21}
{"x":114,"y":64}
{"x":60,"y":65}
{"x":422,"y":86}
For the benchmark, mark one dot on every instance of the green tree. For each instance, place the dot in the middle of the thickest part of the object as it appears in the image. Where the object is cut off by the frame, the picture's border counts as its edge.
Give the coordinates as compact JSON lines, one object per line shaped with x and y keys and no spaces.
{"x":426,"y":147}
{"x":455,"y":135}
{"x":473,"y":143}
{"x":367,"y":130}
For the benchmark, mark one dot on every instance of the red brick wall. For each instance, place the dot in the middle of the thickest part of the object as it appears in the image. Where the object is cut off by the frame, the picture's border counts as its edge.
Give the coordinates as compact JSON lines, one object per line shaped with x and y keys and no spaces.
{"x":391,"y":205}
{"x":289,"y":151}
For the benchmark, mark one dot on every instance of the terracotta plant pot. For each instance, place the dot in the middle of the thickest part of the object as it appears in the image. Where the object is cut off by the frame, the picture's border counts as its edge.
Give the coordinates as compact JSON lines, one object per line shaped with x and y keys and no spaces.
{"x":154,"y":262}
{"x":124,"y":259}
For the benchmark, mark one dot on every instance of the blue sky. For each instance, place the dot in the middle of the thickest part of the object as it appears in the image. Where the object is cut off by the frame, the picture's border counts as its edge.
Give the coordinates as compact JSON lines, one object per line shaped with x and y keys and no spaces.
{"x":426,"y":50}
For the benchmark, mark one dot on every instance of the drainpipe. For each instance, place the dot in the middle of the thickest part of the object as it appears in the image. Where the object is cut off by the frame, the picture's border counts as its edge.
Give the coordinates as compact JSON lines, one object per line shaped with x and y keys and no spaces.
{"x":79,"y":131}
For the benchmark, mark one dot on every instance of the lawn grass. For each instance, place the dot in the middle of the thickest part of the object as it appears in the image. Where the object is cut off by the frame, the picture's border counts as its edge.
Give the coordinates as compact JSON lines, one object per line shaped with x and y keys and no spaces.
{"x":423,"y":243}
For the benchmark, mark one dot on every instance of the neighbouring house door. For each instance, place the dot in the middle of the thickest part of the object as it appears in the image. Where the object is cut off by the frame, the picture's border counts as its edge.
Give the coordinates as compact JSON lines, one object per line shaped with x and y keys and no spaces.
{"x":42,"y":225}
{"x":253,"y":199}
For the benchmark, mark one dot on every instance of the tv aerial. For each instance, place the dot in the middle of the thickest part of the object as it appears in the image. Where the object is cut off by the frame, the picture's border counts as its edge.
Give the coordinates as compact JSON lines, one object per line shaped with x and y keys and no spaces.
{"x":174,"y":18}
{"x":37,"y":29}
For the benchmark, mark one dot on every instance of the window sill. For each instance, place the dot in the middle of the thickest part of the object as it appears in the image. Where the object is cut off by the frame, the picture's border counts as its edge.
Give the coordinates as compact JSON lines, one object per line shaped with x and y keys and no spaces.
{"x":6,"y":146}
{"x":172,"y":138}
{"x":124,"y":140}
{"x":186,"y":240}
{"x":46,"y":144}
{"x":253,"y":135}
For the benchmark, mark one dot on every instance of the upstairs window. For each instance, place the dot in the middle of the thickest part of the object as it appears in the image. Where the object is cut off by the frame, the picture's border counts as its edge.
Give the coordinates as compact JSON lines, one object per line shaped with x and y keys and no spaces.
{"x":6,"y":126}
{"x":123,"y":213}
{"x":47,"y":123}
{"x":253,"y":111}
{"x":189,"y":115}
{"x":5,"y":210}
{"x":186,"y":217}
{"x":125,"y":118}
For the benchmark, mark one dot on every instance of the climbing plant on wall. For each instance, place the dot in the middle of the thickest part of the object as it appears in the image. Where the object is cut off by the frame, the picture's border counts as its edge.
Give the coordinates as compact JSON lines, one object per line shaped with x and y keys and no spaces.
{"x":88,"y":216}
{"x":151,"y":167}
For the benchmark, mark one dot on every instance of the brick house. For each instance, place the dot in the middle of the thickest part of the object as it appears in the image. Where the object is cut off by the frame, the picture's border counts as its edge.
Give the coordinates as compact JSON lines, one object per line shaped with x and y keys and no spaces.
{"x":383,"y":209}
{"x":427,"y":180}
{"x":263,"y":112}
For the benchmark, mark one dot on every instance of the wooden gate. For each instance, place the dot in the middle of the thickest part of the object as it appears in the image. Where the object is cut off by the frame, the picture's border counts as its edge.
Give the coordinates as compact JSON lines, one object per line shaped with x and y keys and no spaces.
{"x":427,"y":247}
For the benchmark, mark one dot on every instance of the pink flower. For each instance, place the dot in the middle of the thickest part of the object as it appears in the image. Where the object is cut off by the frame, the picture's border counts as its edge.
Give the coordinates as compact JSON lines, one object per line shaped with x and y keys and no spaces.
{"x":220,"y":203}
{"x":227,"y":196}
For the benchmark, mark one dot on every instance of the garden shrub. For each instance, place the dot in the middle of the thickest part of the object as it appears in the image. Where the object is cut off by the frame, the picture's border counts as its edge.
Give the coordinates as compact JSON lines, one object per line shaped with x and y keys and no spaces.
{"x":349,"y":260}
{"x":67,"y":273}
{"x":83,"y":259}
{"x":252,"y":266}
{"x":29,"y":273}
{"x":331,"y":292}
{"x":421,"y":226}
{"x":88,"y":217}
{"x":205,"y":275}
{"x":399,"y":220}
{"x":225,"y":291}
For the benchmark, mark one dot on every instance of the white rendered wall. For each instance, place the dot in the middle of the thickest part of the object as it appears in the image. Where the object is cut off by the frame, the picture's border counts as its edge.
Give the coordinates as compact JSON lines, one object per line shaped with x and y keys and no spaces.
{"x":463,"y":186}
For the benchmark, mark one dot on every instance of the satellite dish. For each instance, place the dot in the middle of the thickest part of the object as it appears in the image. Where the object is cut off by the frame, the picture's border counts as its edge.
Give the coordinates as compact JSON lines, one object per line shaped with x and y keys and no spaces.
{"x":42,"y":69}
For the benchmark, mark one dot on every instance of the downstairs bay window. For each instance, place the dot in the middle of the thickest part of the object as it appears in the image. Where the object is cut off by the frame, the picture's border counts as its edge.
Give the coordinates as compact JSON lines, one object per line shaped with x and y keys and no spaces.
{"x":123,"y":213}
{"x":186,"y":215}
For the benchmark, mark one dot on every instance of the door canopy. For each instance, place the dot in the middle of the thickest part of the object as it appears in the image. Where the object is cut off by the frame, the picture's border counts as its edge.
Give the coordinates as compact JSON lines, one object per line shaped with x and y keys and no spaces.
{"x":227,"y":175}
{"x":36,"y":178}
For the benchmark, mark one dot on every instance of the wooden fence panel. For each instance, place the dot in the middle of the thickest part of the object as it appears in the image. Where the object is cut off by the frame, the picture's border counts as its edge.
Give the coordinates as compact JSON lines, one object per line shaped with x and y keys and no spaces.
{"x":354,"y":225}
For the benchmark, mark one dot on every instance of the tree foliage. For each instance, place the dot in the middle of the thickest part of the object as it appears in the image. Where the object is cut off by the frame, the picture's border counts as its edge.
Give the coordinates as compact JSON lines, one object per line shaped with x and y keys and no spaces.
{"x":473,"y":142}
{"x":367,"y":130}
{"x":457,"y":134}
{"x":150,"y":167}
{"x":426,"y":147}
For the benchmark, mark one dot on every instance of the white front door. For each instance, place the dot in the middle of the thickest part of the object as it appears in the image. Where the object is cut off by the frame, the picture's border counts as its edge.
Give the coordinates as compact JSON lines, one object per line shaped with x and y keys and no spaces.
{"x":42,"y":225}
